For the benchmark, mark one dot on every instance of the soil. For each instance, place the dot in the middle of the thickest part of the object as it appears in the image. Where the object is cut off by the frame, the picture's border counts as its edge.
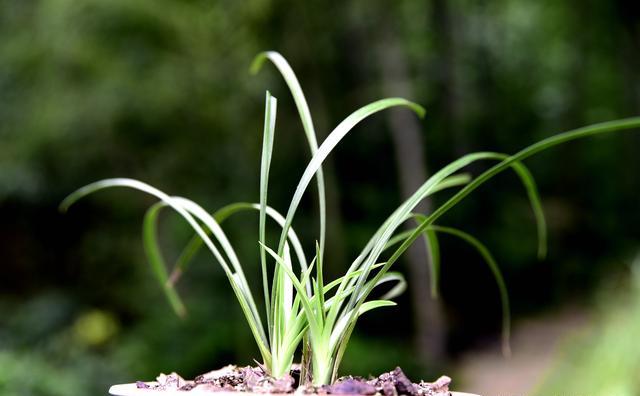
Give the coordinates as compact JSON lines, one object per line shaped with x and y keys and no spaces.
{"x":255,"y":380}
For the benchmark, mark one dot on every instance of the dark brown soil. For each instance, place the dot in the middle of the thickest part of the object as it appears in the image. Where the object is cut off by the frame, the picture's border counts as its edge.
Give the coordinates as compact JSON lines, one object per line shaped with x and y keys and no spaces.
{"x":254,"y":379}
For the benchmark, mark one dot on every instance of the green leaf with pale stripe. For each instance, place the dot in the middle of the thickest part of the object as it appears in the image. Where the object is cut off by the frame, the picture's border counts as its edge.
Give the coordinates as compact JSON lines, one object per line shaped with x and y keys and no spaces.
{"x":307,"y":123}
{"x":271,"y":105}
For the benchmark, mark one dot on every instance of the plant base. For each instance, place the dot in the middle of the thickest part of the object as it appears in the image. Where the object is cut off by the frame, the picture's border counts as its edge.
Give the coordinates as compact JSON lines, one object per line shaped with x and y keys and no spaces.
{"x":233,"y":381}
{"x":133,"y":390}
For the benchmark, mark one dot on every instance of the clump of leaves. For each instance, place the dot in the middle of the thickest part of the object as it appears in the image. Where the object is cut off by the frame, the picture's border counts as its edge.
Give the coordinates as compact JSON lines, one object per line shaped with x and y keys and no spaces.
{"x":299,"y":303}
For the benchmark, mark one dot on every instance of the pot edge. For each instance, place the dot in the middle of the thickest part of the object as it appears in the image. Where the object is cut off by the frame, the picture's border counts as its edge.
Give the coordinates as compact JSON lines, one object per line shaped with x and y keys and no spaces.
{"x":132,"y":390}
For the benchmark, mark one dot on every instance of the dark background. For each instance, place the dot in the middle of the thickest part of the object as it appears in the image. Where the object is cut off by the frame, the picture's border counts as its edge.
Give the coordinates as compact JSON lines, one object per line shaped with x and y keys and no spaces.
{"x":160,"y":91}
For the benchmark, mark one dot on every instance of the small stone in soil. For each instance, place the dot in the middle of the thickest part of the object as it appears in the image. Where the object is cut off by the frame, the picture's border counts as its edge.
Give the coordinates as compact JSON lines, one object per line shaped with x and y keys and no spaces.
{"x":394,"y":383}
{"x":403,"y":385}
{"x":142,"y":385}
{"x":441,"y":385}
{"x":351,"y":386}
{"x":187,"y":387}
{"x":388,"y":389}
{"x":172,"y":381}
{"x":227,"y":378}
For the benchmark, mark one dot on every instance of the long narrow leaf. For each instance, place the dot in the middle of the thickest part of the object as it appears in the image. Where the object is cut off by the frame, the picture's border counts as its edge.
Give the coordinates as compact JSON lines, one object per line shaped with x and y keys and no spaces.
{"x":497,"y":274}
{"x":314,"y":325}
{"x":307,"y":123}
{"x":433,"y":250}
{"x":223,"y":214}
{"x":329,"y":144}
{"x":271,"y":105}
{"x":552,"y":141}
{"x":340,"y":328}
{"x":320,"y":282}
{"x":448,"y":182}
{"x":378,"y":242}
{"x":382,"y":237}
{"x":155,"y":258}
{"x":247,"y":305}
{"x":534,"y":200}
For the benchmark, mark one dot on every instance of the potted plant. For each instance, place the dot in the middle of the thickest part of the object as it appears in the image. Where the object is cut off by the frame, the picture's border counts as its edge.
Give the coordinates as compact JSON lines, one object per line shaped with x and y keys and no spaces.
{"x":303,"y":311}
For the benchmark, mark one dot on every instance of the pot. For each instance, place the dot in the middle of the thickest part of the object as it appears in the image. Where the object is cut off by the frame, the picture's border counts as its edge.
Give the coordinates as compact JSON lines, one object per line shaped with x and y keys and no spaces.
{"x":132,"y":390}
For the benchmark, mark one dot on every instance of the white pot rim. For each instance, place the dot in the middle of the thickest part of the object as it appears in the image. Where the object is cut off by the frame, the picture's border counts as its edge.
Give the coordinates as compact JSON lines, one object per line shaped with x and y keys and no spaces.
{"x":133,"y":390}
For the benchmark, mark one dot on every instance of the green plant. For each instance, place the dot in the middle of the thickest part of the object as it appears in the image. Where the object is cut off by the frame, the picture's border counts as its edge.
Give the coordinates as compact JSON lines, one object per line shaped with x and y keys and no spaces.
{"x":298,"y":304}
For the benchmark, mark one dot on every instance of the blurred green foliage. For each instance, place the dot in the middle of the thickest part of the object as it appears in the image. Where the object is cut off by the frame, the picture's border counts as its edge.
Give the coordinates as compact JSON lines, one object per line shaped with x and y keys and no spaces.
{"x":605,"y":359}
{"x":92,"y":89}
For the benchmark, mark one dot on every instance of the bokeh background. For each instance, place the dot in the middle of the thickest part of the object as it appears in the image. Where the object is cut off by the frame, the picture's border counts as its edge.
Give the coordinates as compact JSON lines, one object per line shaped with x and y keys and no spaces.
{"x":159,"y":90}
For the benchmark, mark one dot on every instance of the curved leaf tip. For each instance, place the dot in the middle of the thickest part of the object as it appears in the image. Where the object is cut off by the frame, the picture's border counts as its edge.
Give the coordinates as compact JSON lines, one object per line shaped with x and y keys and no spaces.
{"x":63,"y":207}
{"x":83,"y":192}
{"x":258,"y":61}
{"x":418,"y":109}
{"x":70,"y":200}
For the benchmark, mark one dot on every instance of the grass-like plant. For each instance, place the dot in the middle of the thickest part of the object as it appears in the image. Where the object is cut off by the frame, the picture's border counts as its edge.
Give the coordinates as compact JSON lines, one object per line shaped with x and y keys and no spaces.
{"x":299,"y":304}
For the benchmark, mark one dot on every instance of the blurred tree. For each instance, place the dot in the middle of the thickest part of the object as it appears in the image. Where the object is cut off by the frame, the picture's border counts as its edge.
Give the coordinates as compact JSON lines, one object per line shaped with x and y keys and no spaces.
{"x":408,"y":142}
